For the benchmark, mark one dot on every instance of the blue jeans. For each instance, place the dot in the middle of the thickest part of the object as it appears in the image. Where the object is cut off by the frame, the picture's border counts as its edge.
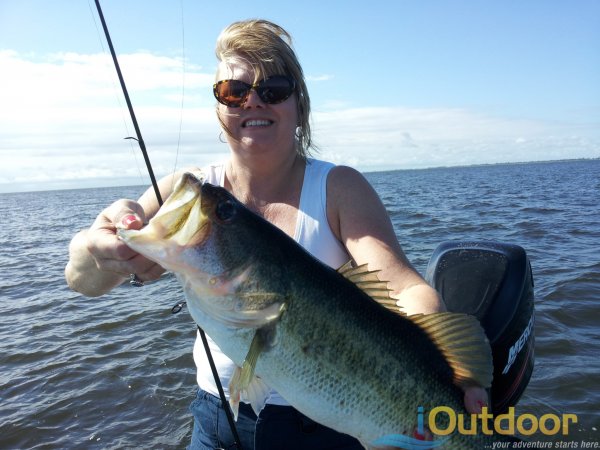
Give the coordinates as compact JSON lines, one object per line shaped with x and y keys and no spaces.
{"x":276,"y":428}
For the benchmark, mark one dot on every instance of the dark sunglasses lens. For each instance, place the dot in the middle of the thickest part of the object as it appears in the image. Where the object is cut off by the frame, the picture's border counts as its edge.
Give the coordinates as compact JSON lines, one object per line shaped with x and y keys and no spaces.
{"x":275,"y":89}
{"x":232,"y":92}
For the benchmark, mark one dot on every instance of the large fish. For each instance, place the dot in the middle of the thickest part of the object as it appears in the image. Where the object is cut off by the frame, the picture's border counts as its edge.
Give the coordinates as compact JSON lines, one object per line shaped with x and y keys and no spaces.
{"x":332,"y":343}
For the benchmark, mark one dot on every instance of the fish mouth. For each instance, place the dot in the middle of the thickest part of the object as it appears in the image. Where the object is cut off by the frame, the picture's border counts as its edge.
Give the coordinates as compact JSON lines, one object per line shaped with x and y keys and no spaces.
{"x":179,"y":223}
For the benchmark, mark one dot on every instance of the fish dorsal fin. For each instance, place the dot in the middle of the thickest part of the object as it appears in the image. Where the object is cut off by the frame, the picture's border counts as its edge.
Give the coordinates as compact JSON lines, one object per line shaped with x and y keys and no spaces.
{"x":368,"y":281}
{"x":463,"y":342}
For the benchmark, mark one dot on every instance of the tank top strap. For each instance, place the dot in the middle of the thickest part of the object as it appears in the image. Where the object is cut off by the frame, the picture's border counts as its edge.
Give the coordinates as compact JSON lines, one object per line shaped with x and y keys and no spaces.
{"x":312,"y":226}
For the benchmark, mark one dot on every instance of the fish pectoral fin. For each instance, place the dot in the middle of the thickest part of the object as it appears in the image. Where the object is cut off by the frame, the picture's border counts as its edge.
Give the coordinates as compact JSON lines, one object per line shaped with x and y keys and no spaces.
{"x":263,"y":317}
{"x":266,"y":307}
{"x":262,"y":297}
{"x":463,"y":343}
{"x":246,"y":373}
{"x":234,"y":402}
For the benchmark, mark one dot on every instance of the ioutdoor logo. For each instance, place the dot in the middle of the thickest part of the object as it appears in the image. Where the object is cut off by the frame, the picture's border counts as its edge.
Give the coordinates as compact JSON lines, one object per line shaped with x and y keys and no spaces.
{"x":506,"y":424}
{"x":482,"y":423}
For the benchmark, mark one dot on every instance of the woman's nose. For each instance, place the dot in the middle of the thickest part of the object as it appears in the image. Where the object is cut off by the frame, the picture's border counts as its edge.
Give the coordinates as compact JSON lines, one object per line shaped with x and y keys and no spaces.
{"x":253,"y":100}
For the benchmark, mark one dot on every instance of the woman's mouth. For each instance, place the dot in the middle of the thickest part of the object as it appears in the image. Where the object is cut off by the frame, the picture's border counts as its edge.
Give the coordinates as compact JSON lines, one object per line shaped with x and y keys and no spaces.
{"x":256,"y":123}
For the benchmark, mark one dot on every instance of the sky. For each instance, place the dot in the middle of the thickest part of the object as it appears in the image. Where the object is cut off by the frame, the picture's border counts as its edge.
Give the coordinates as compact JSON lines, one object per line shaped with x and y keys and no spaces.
{"x":400,"y":84}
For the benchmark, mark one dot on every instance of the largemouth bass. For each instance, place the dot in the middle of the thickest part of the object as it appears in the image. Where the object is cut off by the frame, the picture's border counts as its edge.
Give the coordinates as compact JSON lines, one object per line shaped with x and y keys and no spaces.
{"x":332,"y":343}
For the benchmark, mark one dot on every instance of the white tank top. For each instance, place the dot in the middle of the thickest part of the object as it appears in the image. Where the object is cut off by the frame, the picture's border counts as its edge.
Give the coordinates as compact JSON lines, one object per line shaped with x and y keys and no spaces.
{"x":312,"y":232}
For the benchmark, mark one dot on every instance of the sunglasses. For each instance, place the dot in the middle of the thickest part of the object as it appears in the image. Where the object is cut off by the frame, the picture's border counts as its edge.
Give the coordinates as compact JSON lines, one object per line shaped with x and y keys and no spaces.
{"x":234,"y":93}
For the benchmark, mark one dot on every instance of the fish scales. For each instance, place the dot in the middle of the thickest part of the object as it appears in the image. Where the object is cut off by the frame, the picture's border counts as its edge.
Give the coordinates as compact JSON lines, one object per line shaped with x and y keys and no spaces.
{"x":342,"y":336}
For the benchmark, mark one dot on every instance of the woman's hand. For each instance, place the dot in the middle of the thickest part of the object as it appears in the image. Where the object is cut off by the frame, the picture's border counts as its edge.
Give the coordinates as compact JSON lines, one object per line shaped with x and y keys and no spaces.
{"x":99,"y":260}
{"x":109,"y":252}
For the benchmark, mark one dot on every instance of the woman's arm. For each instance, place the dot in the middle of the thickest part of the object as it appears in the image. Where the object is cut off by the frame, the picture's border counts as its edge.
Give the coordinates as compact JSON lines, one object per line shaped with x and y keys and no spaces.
{"x":359,"y":220}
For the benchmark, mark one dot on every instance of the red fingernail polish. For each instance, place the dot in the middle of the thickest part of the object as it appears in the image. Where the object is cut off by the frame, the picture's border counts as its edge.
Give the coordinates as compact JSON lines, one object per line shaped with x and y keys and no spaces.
{"x":127,"y":220}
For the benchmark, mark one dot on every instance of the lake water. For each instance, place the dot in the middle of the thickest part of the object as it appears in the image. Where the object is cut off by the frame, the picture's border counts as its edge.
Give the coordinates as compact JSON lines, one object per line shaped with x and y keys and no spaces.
{"x":117,"y":371}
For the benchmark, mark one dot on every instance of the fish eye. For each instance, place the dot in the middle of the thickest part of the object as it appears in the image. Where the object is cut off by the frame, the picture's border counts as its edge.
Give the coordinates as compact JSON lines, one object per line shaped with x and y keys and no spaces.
{"x":225,"y":210}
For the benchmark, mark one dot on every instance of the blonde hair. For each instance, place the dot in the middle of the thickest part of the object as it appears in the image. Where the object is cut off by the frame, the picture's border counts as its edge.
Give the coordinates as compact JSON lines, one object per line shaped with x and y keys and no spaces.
{"x":267,"y":47}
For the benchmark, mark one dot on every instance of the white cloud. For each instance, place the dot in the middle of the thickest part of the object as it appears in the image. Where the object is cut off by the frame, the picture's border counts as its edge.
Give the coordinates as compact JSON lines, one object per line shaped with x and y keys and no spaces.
{"x":323,"y":77}
{"x":397,"y":137}
{"x":63,"y":120}
{"x":63,"y":116}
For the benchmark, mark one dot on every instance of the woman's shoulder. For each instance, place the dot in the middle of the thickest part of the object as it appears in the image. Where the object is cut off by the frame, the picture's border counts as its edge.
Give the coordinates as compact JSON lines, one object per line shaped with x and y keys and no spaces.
{"x":346,"y":180}
{"x":349,"y":197}
{"x":337,"y":176}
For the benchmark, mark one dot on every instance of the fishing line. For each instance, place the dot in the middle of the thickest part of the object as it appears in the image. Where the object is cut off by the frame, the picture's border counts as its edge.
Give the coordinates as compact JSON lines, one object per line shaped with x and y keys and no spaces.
{"x":140,"y":141}
{"x":183,"y":68}
{"x":138,"y":133}
{"x":127,"y":133}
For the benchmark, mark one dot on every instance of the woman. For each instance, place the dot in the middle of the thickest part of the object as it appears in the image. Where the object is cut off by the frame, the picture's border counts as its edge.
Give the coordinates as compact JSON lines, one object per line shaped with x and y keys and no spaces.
{"x":263,"y":107}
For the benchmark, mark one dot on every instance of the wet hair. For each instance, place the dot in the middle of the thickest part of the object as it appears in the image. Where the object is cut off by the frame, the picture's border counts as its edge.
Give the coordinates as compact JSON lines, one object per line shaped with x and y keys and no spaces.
{"x":267,"y":48}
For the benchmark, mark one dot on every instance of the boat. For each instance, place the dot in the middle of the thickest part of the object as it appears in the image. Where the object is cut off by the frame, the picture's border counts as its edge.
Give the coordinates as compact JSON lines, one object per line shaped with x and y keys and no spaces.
{"x":492,"y":281}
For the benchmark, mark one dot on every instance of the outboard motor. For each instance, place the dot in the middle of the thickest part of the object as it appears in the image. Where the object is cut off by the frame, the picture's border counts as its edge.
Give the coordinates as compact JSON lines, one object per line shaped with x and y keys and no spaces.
{"x":493,"y":282}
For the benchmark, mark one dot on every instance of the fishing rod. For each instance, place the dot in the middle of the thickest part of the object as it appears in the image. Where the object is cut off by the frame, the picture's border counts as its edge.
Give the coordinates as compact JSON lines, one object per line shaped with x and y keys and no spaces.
{"x":138,"y":133}
{"x":134,"y":280}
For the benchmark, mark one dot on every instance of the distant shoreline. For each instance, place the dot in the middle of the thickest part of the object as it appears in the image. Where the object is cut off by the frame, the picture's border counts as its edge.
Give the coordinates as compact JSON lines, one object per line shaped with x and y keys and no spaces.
{"x":509,"y":163}
{"x":100,"y":185}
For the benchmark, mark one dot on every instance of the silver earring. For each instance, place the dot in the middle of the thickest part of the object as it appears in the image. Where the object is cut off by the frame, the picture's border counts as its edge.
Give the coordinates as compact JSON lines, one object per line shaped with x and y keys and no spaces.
{"x":298,"y":133}
{"x":221,"y":139}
